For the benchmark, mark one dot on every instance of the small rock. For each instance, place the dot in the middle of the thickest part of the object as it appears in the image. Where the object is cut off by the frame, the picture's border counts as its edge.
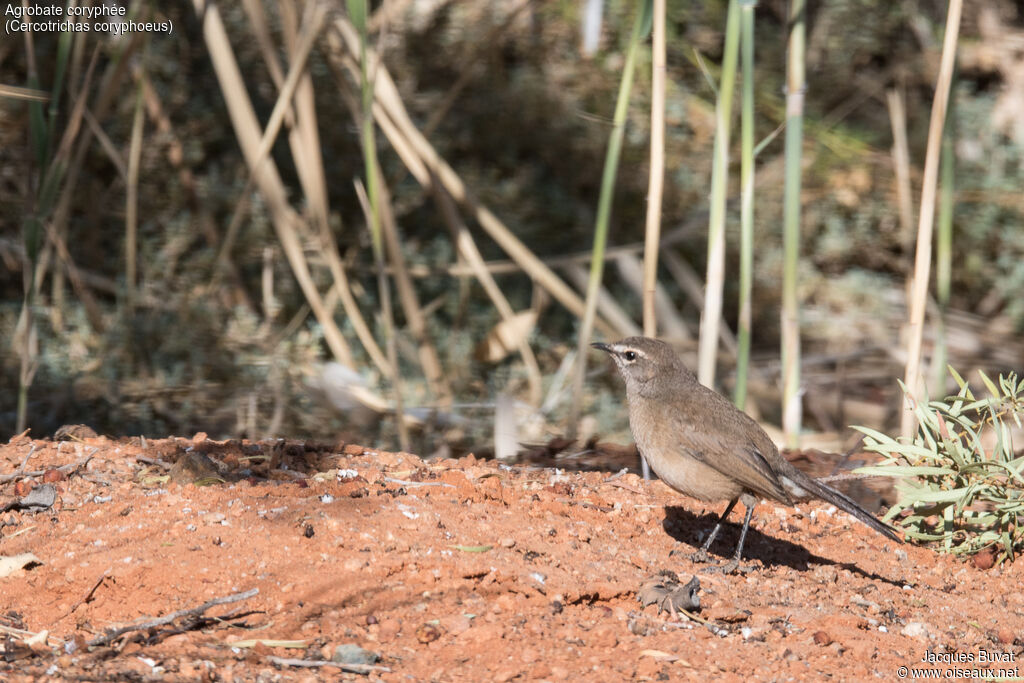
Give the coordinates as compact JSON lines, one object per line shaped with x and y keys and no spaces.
{"x":984,"y":559}
{"x":507,"y":542}
{"x":915,"y":629}
{"x":822,"y":638}
{"x":428,"y":633}
{"x":350,"y":653}
{"x":825,"y":574}
{"x":74,"y":433}
{"x":1005,"y":636}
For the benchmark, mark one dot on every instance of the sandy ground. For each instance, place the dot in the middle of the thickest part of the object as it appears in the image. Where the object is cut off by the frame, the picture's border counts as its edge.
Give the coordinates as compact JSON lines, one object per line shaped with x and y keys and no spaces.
{"x":451,"y":570}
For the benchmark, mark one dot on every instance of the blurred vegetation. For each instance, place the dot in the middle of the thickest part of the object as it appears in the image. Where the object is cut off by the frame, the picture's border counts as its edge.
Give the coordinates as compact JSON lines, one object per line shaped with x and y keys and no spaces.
{"x":503,"y":93}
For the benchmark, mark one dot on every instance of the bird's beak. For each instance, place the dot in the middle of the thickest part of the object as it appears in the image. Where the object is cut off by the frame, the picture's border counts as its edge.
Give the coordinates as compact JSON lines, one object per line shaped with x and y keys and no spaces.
{"x":603,"y":347}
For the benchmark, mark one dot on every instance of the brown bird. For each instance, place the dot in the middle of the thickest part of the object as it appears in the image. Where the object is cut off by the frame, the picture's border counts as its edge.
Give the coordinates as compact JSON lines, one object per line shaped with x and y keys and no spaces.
{"x":701,"y":445}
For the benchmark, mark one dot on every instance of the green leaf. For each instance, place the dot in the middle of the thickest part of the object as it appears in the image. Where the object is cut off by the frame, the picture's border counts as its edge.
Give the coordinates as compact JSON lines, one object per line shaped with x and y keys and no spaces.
{"x":988,"y":384}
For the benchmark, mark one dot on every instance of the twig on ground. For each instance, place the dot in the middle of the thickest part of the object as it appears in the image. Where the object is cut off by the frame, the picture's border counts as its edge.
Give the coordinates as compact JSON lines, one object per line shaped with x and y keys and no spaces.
{"x":310,"y":663}
{"x":403,"y":482}
{"x":166,"y":465}
{"x":113,"y":634}
{"x":68,"y":469}
{"x":88,"y":596}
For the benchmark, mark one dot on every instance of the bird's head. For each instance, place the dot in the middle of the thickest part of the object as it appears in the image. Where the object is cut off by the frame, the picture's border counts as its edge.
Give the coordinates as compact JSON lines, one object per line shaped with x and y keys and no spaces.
{"x":641,"y":360}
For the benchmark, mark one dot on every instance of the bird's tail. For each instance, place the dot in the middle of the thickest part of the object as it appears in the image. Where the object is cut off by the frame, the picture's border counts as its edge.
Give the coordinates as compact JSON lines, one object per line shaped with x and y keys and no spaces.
{"x":841,"y":501}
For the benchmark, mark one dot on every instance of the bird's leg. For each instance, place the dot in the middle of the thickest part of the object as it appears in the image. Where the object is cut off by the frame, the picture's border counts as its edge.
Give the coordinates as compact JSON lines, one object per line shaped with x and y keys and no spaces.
{"x":702,"y":554}
{"x":733,"y":565}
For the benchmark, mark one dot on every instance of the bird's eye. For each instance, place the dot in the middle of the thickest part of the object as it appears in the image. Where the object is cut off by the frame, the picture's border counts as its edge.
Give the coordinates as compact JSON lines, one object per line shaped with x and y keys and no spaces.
{"x":629,"y":355}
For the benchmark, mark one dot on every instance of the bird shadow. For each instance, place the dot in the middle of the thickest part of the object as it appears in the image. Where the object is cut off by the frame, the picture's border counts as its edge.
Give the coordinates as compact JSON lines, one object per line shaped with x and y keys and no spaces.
{"x":689,"y":528}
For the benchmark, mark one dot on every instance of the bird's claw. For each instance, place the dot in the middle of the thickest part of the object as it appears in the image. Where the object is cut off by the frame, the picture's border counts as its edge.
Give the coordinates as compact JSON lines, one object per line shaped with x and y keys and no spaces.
{"x":700,"y":557}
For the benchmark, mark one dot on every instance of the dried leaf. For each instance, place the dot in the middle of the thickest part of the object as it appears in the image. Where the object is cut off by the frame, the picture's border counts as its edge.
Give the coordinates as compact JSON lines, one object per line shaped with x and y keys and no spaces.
{"x":473,"y":548}
{"x":11,"y":564}
{"x":506,"y":337}
{"x":665,"y":590}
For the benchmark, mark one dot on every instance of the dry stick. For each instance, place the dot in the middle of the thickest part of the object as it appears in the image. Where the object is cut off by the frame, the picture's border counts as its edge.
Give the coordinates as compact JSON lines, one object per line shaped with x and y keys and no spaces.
{"x":343,"y":291}
{"x":281,"y":113}
{"x":688,"y":280}
{"x":314,"y":663}
{"x":305,"y":143}
{"x":247,"y":130}
{"x":464,"y":243}
{"x":88,"y":596}
{"x":633,"y":271}
{"x":113,"y":634}
{"x":652,"y":232}
{"x":302,"y":135}
{"x":606,"y":303}
{"x":901,"y":162}
{"x":467,"y":249}
{"x":386,"y":93}
{"x":414,"y":316}
{"x":68,"y":469}
{"x":922,"y":262}
{"x":131,"y":211}
{"x":59,"y":217}
{"x":509,"y":267}
{"x":57,"y":226}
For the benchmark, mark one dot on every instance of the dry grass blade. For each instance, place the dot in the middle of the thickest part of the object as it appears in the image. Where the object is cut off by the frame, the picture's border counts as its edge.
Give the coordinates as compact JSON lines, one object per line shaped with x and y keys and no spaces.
{"x":15,"y":92}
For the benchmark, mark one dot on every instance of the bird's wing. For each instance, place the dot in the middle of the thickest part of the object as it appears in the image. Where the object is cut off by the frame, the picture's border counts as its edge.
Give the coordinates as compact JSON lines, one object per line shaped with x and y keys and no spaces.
{"x":719,"y":449}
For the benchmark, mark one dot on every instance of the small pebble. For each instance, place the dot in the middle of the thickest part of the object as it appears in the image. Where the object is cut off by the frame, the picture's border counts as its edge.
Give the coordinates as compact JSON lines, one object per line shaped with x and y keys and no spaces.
{"x":350,"y":653}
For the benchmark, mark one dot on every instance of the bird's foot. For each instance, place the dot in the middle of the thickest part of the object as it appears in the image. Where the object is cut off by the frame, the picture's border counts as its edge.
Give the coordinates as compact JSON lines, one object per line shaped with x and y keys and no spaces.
{"x":731,"y":567}
{"x":700,"y":557}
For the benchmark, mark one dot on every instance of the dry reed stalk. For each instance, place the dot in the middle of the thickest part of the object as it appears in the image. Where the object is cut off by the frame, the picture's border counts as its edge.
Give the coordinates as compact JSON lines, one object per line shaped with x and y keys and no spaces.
{"x":901,"y":163}
{"x":248,"y":133}
{"x":131,"y":213}
{"x":652,"y":232}
{"x":923,"y":257}
{"x":468,"y":250}
{"x":464,"y":243}
{"x":796,"y":83}
{"x":386,"y":94}
{"x":306,"y":148}
{"x":632,"y":271}
{"x":715,"y":280}
{"x":414,"y":316}
{"x":606,"y":303}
